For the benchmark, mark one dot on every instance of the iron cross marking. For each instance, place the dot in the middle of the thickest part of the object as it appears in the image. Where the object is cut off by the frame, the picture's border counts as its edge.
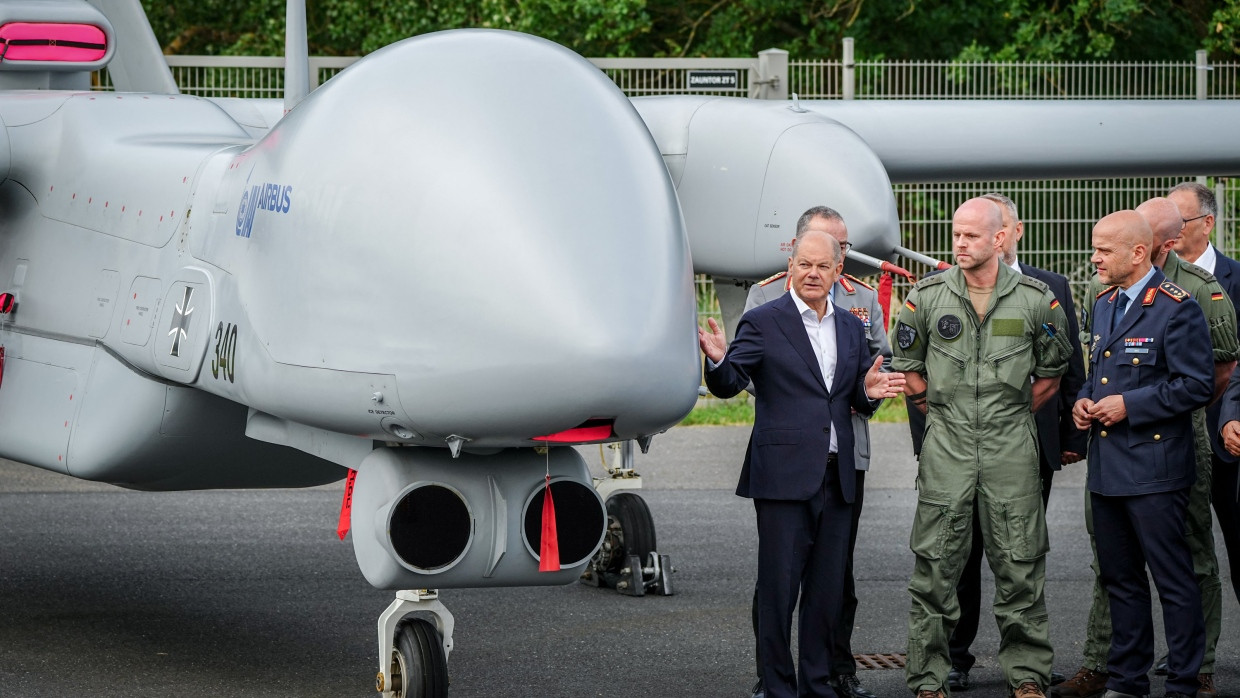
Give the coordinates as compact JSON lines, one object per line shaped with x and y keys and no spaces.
{"x":180,"y":322}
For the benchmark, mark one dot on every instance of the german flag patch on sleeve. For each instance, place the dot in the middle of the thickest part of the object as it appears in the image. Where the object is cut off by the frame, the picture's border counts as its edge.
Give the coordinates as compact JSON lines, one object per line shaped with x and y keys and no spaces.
{"x":1218,"y":296}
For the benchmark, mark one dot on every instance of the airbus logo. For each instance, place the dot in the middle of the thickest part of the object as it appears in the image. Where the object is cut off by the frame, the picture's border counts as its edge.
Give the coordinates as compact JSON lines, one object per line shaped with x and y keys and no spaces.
{"x":275,"y":198}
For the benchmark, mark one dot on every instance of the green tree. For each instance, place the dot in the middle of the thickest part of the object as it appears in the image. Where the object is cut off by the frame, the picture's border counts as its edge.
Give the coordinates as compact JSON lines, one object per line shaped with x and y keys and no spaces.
{"x":1013,"y":30}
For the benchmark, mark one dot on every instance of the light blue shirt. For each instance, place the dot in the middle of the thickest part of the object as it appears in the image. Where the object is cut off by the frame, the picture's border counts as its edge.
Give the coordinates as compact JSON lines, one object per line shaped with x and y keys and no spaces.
{"x":1134,"y":291}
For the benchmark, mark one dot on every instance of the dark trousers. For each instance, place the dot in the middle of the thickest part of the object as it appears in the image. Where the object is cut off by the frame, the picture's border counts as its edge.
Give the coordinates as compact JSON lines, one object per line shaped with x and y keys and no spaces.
{"x":841,"y":638}
{"x":1227,"y":513}
{"x":1132,"y":533}
{"x":802,"y":551}
{"x":969,"y":588}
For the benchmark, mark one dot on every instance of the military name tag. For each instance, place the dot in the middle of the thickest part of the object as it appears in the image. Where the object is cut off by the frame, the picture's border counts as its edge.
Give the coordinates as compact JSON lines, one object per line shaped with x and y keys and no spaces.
{"x":905,"y":336}
{"x":1008,"y":327}
{"x":949,"y":327}
{"x":1131,"y":350}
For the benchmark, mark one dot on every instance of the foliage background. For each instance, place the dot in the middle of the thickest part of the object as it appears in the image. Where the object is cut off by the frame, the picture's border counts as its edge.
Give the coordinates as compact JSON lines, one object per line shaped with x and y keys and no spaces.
{"x":1129,"y":30}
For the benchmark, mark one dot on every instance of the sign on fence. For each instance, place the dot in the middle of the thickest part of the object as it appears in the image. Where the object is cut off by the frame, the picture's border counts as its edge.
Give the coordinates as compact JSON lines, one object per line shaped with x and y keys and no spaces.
{"x":714,"y":79}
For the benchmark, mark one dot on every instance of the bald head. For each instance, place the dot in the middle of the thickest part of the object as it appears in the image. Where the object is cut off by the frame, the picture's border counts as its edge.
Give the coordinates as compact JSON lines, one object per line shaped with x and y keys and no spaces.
{"x":1163,"y":217}
{"x":983,"y":210}
{"x":977,"y":234}
{"x":1122,"y":241}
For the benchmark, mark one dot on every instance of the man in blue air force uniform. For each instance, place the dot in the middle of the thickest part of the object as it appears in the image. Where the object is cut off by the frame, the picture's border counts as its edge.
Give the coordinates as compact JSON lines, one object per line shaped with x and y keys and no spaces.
{"x":1150,"y":367}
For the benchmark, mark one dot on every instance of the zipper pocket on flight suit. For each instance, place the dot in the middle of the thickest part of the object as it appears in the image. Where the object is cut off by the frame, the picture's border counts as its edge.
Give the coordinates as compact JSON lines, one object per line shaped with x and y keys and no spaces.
{"x":1017,"y":380}
{"x":941,"y":386}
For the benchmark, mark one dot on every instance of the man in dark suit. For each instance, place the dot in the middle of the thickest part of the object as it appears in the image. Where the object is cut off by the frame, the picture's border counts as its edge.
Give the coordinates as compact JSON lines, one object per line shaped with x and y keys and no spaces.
{"x":808,"y":365}
{"x":1059,"y":443}
{"x":852,"y":295}
{"x":1149,"y":369}
{"x":1198,"y":209}
{"x":1229,"y":417}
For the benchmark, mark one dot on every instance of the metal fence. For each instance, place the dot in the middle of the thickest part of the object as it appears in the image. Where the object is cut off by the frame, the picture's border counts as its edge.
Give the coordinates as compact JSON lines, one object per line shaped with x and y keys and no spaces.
{"x":851,"y":79}
{"x":1058,"y":214}
{"x":246,"y":77}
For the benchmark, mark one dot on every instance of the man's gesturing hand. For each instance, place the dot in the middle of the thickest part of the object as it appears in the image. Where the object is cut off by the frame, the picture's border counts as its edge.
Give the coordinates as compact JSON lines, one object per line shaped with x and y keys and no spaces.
{"x":880,"y":385}
{"x":714,"y":344}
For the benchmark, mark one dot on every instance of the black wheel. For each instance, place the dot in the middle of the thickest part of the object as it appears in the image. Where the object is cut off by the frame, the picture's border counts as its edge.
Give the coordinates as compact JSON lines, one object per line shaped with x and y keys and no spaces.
{"x":419,"y":668}
{"x":630,"y":531}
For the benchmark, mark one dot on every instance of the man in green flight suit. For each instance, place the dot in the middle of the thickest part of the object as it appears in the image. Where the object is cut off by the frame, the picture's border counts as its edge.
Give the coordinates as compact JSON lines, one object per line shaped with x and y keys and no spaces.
{"x":982,"y":347}
{"x":1090,"y":680}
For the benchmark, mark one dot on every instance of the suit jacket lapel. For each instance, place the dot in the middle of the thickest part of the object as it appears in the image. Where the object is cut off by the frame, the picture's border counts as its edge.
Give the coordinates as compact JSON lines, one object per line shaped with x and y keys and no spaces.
{"x":793,"y":327}
{"x":1222,"y":270}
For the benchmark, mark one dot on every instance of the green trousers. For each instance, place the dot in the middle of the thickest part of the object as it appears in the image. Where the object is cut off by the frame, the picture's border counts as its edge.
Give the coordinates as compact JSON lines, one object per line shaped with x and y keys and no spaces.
{"x":1009,"y":498}
{"x":1200,"y":541}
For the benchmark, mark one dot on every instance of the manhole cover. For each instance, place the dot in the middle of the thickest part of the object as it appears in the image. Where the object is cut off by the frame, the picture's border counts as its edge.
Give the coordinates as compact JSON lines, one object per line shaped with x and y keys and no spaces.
{"x":879,"y":661}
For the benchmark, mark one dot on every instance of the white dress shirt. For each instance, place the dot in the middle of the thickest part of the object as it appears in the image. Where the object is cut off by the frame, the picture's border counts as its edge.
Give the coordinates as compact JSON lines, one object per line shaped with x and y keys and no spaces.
{"x":1206,"y":260}
{"x":822,"y":338}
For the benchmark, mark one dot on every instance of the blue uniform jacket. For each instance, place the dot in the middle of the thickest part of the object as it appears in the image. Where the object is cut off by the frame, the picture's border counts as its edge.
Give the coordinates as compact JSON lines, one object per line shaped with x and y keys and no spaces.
{"x":1159,"y":358}
{"x":1227,"y":271}
{"x":787,"y":453}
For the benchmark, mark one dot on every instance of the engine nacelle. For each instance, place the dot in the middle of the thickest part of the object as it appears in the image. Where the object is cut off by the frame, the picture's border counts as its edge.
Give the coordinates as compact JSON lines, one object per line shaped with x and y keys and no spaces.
{"x":745,"y":171}
{"x":422,"y":519}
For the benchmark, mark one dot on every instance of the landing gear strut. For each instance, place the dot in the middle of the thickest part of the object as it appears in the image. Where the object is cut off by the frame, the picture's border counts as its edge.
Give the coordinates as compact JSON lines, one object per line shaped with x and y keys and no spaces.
{"x":415,"y":638}
{"x":628,"y":561}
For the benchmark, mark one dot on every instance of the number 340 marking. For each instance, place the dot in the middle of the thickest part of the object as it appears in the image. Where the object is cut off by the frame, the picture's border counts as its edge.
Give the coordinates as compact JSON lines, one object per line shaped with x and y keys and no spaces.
{"x":224,"y":364}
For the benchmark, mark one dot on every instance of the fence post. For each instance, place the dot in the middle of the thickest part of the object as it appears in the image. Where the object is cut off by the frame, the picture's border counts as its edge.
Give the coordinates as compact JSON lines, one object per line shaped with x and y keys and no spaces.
{"x":772,"y":80}
{"x":850,"y":70}
{"x":314,"y":73}
{"x":1201,"y":68}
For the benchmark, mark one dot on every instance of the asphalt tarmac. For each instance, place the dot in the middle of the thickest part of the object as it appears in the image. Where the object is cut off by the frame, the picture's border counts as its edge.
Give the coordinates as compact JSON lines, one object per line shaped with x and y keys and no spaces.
{"x":106,"y":592}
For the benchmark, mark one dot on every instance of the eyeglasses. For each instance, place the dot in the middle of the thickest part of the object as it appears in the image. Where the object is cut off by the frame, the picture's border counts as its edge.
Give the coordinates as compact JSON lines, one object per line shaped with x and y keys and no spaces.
{"x":846,"y":246}
{"x":1190,"y":220}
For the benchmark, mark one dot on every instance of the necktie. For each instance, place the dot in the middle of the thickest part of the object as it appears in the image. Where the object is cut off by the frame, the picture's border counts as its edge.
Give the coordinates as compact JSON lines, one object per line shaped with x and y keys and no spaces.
{"x":1121,"y":304}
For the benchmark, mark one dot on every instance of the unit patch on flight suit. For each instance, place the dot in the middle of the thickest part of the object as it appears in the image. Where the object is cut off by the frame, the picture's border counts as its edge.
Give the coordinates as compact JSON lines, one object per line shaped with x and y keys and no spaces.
{"x":905,"y":336}
{"x":950,"y":326}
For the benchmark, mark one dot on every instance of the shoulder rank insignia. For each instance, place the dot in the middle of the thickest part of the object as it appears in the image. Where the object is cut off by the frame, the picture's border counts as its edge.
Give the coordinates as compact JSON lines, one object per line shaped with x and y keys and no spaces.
{"x":1149,"y":297}
{"x":848,"y":287}
{"x":859,"y":282}
{"x":1105,"y":291}
{"x":773,"y":278}
{"x":1172,"y":290}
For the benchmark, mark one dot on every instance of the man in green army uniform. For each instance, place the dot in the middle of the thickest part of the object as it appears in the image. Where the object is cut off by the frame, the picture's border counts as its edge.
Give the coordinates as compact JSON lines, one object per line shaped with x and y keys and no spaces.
{"x":969,"y":340}
{"x":1090,"y":680}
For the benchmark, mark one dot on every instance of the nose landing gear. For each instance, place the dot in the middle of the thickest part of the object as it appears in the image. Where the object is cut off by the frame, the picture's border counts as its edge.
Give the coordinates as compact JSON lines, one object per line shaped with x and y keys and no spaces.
{"x":415,"y":635}
{"x":628,"y":561}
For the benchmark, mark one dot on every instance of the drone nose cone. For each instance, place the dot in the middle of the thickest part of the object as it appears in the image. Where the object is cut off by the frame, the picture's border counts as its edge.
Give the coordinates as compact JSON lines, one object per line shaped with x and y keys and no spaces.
{"x":512,"y":251}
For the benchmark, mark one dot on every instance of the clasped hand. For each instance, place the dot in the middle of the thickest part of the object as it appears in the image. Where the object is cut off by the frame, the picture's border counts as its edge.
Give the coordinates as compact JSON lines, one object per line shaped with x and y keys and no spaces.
{"x":1109,"y":411}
